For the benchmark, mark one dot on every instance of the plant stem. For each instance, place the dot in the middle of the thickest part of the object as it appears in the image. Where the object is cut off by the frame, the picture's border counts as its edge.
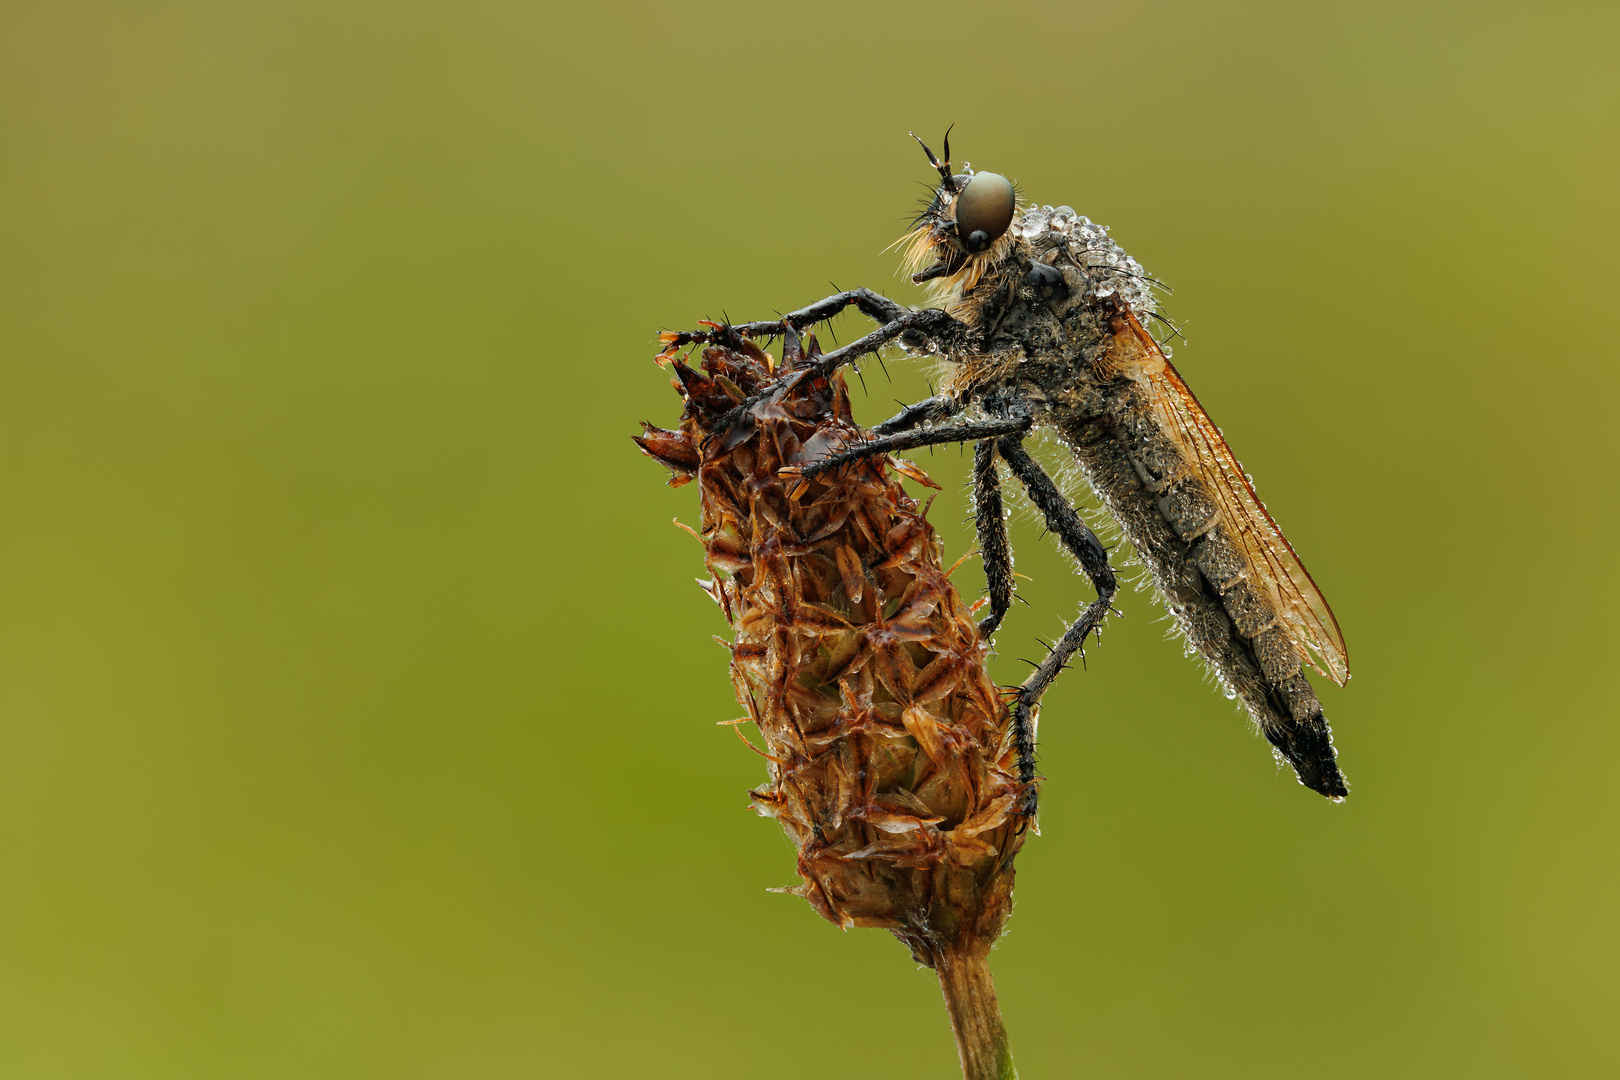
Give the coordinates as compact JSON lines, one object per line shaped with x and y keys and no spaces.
{"x":970,"y":999}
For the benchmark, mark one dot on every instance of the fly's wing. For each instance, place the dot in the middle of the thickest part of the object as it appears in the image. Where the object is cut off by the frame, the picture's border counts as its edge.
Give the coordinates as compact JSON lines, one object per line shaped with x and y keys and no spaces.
{"x":1314,"y":630}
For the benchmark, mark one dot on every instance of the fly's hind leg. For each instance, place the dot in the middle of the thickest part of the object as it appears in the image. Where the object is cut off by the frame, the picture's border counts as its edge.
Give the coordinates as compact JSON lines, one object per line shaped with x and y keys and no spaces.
{"x":990,"y":521}
{"x":1066,"y":525}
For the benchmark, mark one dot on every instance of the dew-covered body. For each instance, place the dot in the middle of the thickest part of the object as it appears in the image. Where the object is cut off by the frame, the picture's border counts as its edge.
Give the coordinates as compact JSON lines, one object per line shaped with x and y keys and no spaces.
{"x":1074,"y":354}
{"x":1036,"y":315}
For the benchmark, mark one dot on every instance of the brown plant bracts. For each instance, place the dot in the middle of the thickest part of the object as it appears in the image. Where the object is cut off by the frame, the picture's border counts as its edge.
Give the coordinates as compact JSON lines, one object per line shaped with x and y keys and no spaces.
{"x":891,"y":752}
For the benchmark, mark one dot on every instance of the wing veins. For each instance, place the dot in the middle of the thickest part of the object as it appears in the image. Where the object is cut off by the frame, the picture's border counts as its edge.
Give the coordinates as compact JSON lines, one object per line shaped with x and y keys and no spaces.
{"x":1314,"y":629}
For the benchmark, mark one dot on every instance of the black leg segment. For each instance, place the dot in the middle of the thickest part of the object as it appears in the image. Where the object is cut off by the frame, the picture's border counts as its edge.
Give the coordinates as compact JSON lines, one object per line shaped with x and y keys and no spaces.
{"x":967,"y":431}
{"x":928,"y":411}
{"x":878,"y":308}
{"x":924,"y":328}
{"x":1066,"y":525}
{"x":990,"y":521}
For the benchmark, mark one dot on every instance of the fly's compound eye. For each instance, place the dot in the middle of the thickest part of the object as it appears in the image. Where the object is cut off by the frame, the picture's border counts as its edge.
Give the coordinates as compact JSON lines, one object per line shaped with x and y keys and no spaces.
{"x":984,"y":210}
{"x":1047,"y":281}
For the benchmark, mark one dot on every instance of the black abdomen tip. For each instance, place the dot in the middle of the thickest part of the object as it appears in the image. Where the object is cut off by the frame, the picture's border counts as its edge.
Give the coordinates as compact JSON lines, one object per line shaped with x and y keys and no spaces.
{"x":1308,"y":746}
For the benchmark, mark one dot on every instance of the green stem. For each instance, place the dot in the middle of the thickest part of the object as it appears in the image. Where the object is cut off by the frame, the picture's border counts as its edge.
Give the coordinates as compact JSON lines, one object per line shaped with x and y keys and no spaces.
{"x":970,"y":999}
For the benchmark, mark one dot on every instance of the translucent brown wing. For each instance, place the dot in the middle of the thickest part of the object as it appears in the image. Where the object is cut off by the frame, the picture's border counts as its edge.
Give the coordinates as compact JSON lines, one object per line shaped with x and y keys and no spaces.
{"x":1314,"y":630}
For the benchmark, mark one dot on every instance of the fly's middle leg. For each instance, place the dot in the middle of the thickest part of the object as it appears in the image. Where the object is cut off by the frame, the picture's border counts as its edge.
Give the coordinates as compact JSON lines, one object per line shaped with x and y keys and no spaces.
{"x":1072,"y":532}
{"x":966,"y":431}
{"x":927,"y":411}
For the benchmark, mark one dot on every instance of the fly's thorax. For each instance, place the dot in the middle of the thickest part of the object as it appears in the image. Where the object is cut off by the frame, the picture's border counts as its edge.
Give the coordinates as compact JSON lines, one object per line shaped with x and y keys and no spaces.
{"x":1086,"y":255}
{"x":1040,"y":317}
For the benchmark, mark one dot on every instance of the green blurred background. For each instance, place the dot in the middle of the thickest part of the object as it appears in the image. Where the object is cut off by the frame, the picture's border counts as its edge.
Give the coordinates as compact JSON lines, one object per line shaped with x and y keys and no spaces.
{"x":356,"y":705}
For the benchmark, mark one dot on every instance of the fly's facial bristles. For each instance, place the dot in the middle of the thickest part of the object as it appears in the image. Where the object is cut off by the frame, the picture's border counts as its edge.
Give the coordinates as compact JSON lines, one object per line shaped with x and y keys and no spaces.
{"x":921,"y":251}
{"x":927,"y":243}
{"x":916,"y":247}
{"x":977,"y":266}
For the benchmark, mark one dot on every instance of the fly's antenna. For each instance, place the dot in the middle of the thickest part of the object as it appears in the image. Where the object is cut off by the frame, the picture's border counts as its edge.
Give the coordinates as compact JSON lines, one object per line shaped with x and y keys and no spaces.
{"x":942,"y":167}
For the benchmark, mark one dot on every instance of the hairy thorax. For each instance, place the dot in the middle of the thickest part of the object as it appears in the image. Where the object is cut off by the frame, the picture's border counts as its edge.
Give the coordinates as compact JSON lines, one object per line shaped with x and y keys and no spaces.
{"x":1038,"y":319}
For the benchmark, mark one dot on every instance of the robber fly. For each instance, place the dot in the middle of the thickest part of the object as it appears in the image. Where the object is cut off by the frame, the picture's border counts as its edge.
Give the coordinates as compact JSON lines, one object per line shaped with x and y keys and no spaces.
{"x":1037,"y":316}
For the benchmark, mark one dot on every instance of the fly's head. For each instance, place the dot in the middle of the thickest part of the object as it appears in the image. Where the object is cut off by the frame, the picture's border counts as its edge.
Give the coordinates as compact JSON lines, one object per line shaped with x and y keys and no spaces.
{"x":1030,"y":276}
{"x":963,"y":231}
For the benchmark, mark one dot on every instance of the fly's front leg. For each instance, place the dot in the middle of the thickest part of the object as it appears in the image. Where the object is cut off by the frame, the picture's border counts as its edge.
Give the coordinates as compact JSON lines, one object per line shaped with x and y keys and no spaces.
{"x":880,"y":309}
{"x":926,"y":328}
{"x":875,"y":306}
{"x":930,"y":326}
{"x":1066,"y":525}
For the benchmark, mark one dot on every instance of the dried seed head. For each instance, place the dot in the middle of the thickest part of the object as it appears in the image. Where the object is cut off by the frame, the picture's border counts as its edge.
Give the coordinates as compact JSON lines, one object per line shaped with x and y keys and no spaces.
{"x":888,"y":746}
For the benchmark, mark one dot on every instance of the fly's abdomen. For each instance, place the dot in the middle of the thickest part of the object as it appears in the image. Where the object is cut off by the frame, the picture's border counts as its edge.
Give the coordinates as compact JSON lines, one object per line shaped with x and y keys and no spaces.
{"x":1208,"y":582}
